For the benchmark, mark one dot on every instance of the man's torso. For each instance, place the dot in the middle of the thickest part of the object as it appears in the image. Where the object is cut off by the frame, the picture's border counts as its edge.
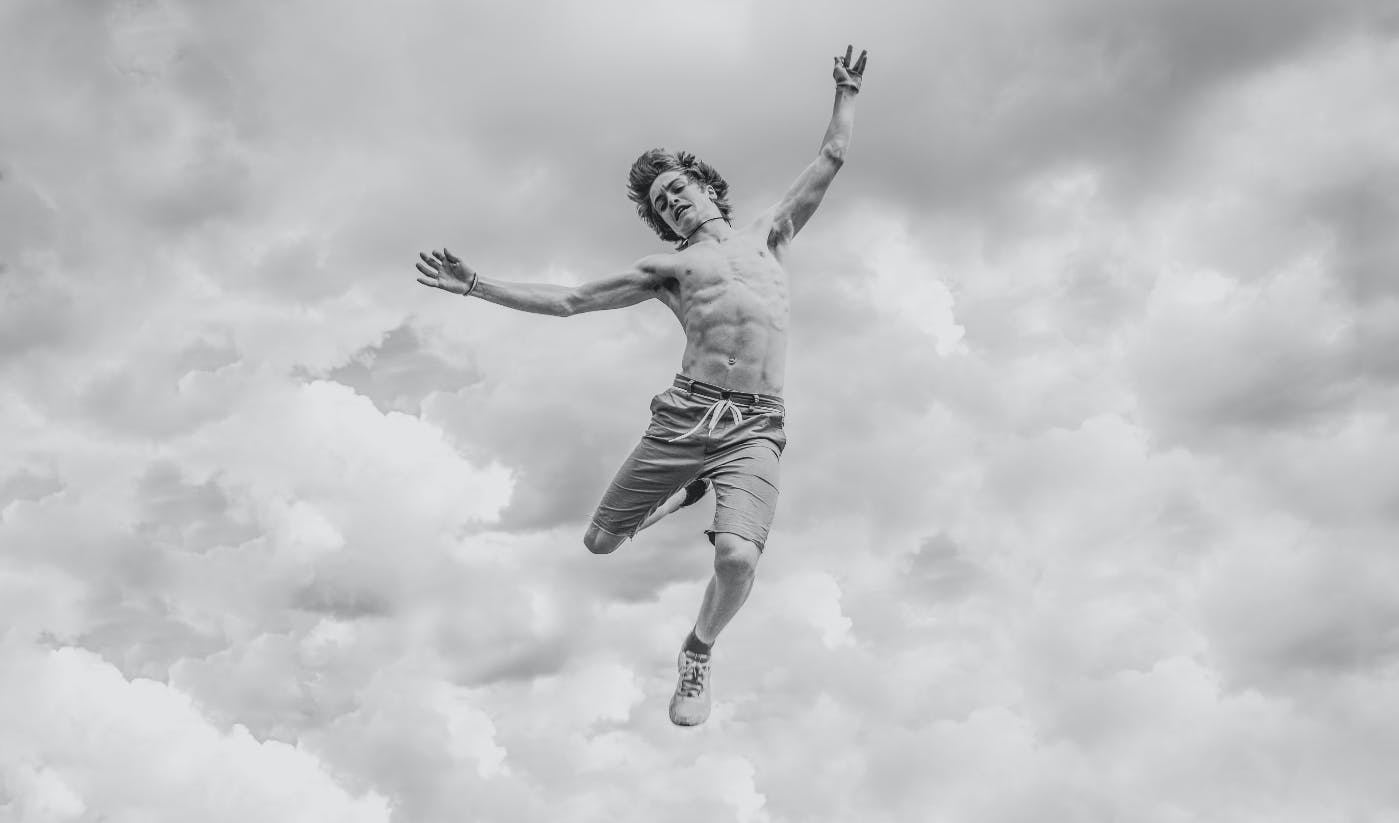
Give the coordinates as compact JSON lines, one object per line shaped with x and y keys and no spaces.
{"x":731,"y":298}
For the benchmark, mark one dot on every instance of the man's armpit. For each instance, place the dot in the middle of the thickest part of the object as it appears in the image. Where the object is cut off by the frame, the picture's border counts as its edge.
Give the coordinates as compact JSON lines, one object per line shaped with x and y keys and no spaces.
{"x":780,"y":232}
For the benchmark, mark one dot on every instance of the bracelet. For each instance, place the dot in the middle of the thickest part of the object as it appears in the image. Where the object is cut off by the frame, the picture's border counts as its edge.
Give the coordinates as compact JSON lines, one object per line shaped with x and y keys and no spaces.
{"x":475,"y":278}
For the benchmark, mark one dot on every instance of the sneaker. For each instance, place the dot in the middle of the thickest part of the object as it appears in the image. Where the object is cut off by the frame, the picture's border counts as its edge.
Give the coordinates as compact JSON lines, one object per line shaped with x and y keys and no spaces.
{"x":690,"y":705}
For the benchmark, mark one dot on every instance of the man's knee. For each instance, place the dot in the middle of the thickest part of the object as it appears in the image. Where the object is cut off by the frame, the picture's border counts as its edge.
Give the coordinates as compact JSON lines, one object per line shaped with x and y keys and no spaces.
{"x":600,"y":542}
{"x":735,"y":556}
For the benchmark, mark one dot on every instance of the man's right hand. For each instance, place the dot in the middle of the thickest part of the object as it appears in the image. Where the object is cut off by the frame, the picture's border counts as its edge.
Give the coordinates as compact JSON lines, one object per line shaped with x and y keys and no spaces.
{"x":445,"y":271}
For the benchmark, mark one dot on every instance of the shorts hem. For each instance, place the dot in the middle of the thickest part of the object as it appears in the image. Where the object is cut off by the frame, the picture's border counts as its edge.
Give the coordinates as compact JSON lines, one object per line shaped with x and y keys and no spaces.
{"x":611,"y":533}
{"x":760,"y":542}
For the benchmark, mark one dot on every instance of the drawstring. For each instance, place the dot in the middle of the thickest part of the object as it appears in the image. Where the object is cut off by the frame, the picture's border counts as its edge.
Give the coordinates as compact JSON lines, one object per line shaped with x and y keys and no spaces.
{"x":717,"y":408}
{"x":716,"y":412}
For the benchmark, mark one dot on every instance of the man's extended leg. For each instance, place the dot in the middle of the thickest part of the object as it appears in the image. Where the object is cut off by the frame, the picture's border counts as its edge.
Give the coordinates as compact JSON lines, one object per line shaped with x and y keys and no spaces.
{"x":687,"y":496}
{"x":735,"y":563}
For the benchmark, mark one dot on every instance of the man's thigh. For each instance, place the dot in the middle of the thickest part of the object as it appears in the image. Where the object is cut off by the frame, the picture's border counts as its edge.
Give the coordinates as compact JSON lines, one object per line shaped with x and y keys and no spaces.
{"x":745,"y":492}
{"x":654,"y":471}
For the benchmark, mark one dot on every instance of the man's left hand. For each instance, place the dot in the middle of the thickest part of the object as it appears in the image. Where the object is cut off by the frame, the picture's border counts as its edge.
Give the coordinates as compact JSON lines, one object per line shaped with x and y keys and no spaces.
{"x":848,"y":75}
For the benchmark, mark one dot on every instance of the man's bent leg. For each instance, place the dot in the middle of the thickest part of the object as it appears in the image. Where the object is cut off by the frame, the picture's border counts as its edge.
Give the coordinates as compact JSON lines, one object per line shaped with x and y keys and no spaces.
{"x":687,"y":496}
{"x":601,"y":542}
{"x":655,"y":470}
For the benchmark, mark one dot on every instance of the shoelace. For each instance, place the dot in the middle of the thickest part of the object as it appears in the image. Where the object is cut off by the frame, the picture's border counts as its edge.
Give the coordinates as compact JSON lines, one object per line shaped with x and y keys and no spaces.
{"x":716,"y":412}
{"x":694,"y":671}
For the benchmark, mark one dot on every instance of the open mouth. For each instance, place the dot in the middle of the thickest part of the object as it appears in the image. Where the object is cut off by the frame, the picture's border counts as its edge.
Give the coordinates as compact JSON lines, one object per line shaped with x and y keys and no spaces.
{"x":680,"y":209}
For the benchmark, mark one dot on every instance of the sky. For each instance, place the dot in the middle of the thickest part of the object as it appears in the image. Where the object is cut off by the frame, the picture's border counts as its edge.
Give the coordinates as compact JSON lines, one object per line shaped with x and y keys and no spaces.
{"x":1092,"y":487}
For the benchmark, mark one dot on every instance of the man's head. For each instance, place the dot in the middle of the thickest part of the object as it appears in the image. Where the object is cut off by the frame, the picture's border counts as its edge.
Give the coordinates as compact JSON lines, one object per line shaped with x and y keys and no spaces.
{"x":676,"y":192}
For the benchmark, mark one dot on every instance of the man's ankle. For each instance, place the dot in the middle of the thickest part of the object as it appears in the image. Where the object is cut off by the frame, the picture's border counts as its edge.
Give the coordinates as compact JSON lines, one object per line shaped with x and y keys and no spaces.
{"x":694,"y":644}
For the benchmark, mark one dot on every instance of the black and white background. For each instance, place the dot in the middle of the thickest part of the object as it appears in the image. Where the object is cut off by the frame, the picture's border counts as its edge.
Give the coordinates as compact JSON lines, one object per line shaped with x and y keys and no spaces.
{"x":1090,"y":507}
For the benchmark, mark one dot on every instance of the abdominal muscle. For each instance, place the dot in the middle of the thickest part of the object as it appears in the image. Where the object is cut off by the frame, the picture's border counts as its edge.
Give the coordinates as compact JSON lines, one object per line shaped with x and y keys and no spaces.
{"x":733,"y":307}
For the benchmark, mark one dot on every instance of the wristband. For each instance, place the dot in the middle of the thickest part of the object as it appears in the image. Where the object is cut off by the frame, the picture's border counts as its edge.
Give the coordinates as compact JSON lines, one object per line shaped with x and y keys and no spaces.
{"x":475,"y":278}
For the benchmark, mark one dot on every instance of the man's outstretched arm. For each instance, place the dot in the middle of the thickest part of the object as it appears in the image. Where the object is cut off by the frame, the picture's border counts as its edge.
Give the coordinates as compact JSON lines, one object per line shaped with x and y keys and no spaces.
{"x":444,"y":270}
{"x":800,"y":202}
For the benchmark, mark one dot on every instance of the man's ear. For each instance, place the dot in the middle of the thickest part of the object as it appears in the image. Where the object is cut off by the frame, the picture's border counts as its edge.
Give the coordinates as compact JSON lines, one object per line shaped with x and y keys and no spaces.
{"x":711,"y":193}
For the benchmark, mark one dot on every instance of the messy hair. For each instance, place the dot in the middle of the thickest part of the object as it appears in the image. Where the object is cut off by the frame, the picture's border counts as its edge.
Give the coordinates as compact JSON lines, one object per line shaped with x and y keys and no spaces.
{"x":656,"y":162}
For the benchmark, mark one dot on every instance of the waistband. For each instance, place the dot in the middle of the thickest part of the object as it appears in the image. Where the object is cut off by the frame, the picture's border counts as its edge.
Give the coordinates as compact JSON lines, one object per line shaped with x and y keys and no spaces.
{"x":709,"y":391}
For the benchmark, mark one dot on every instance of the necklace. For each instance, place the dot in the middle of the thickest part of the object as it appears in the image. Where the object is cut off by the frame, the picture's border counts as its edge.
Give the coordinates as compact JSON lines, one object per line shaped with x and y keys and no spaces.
{"x":700,"y":226}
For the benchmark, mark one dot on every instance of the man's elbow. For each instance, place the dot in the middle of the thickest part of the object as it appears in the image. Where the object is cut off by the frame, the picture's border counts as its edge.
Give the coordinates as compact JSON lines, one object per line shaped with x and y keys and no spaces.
{"x":834,"y":153}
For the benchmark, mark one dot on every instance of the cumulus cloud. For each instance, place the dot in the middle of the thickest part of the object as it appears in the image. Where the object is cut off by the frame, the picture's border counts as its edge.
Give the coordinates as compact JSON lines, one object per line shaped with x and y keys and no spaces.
{"x":1090,"y":487}
{"x":81,"y":739}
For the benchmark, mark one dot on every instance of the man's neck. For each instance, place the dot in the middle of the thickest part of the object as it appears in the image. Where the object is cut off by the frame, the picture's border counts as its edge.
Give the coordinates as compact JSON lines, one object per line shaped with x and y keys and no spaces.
{"x":715,"y":228}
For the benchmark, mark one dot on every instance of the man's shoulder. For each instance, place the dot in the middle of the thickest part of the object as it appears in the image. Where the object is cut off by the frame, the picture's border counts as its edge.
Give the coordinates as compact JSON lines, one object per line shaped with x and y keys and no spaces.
{"x":660,"y":271}
{"x":660,"y":264}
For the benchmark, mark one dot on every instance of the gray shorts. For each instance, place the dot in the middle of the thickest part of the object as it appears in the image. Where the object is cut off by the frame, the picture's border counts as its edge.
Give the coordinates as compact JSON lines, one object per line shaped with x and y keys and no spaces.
{"x":732,"y":439}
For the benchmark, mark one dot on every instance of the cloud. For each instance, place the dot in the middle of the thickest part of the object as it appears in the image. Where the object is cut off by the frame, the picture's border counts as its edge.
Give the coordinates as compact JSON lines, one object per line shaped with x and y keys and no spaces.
{"x":1262,"y":639}
{"x":86,"y":739}
{"x":1247,"y":357}
{"x":1090,"y":482}
{"x":400,"y":372}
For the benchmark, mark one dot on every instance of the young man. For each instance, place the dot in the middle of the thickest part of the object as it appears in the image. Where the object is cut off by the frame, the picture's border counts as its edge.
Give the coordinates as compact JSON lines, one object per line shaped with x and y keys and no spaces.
{"x":720,"y":423}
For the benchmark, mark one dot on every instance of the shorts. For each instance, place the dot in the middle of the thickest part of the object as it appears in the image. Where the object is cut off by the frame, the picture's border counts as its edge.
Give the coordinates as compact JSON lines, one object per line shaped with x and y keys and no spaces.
{"x":732,"y":439}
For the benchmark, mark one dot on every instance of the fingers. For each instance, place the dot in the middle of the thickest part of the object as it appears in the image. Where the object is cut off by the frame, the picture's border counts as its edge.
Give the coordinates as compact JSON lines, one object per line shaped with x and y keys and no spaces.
{"x":857,"y":67}
{"x":437,"y":270}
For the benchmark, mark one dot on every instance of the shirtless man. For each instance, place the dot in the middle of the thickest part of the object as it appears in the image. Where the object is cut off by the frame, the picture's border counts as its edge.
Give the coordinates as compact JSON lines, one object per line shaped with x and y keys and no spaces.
{"x":721,"y":421}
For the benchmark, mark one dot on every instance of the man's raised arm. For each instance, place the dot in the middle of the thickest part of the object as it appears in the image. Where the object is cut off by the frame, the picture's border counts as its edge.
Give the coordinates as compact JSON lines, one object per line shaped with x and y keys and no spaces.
{"x":800,"y":202}
{"x":444,"y":270}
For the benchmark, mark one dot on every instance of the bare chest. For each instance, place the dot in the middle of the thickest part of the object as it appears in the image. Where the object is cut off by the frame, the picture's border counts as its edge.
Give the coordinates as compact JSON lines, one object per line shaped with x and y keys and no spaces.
{"x":737,"y":277}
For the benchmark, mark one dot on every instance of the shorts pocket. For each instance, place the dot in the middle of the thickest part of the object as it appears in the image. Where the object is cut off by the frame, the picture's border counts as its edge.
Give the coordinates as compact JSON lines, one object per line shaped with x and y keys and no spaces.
{"x":660,"y":400}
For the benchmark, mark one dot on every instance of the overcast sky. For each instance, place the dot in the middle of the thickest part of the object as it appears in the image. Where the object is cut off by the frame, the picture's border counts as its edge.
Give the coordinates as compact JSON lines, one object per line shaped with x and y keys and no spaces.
{"x":1089,"y":510}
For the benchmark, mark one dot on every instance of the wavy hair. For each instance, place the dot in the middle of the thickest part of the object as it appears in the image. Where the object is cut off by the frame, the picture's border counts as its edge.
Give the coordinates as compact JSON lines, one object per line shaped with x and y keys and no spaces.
{"x":656,"y":162}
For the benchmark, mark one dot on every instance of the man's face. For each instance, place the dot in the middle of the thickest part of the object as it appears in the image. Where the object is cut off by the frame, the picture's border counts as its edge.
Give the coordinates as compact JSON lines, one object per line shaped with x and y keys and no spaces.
{"x":682,"y":203}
